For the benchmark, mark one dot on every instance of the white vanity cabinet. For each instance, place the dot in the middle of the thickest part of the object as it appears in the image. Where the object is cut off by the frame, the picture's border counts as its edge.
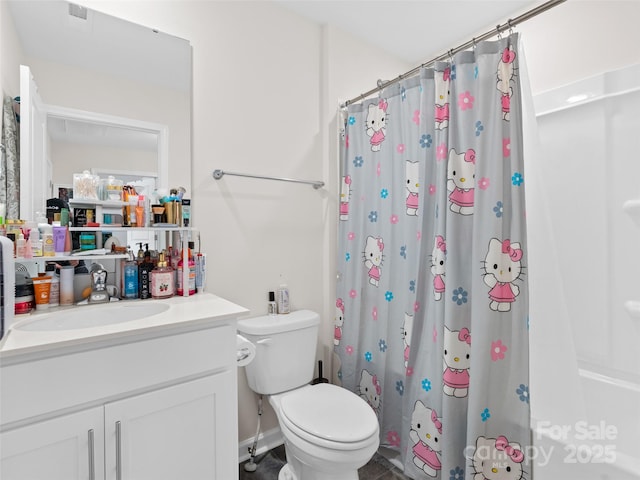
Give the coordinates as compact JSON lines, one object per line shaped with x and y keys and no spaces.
{"x":68,"y":447}
{"x":155,"y":404}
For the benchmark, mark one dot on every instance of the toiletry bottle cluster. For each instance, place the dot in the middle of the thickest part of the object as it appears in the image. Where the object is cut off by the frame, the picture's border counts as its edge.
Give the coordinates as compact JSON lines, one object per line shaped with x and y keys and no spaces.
{"x":279,"y":301}
{"x":151,"y":274}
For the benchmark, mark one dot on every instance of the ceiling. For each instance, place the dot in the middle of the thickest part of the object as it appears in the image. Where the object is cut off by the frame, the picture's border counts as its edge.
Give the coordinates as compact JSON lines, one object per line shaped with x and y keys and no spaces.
{"x":412,"y":30}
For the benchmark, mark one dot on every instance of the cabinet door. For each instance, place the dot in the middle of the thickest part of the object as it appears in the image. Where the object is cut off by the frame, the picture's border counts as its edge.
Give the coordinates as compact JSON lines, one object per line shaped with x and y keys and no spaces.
{"x":185,"y":431}
{"x":70,"y":447}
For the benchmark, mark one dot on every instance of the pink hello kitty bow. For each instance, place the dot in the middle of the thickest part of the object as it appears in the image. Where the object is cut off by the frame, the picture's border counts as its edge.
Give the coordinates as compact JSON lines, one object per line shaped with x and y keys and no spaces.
{"x":436,"y":422}
{"x":340,"y":304}
{"x":470,"y":156}
{"x":347,"y":179}
{"x":514,"y":253}
{"x":380,"y":244}
{"x":382,"y":105}
{"x":515,"y":453}
{"x":441,"y":244}
{"x":464,"y":336}
{"x":446,"y":75}
{"x":376,"y":384}
{"x":508,"y":56}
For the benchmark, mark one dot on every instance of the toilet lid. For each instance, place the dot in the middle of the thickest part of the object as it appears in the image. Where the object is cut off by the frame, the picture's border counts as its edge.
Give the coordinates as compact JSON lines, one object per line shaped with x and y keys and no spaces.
{"x":330,"y":412}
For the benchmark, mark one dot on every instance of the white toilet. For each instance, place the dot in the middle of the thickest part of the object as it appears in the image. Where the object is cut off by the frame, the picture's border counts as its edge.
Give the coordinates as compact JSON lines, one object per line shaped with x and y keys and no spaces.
{"x":329,"y":432}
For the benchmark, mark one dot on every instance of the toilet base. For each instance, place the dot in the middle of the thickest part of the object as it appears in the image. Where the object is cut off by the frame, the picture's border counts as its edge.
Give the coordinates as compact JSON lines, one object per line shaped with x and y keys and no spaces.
{"x":286,"y":473}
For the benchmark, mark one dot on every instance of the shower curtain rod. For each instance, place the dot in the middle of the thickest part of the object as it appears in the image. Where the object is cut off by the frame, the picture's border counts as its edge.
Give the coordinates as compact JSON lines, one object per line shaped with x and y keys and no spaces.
{"x":512,"y":22}
{"x":218,"y":174}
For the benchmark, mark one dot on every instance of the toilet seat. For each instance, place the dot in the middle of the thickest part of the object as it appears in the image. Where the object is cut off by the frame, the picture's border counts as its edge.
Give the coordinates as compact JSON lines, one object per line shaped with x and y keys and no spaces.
{"x":329,"y":416}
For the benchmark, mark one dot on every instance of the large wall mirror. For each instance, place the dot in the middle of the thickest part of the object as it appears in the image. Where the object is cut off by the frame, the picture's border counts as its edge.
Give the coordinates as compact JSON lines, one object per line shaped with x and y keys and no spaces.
{"x":116,"y":95}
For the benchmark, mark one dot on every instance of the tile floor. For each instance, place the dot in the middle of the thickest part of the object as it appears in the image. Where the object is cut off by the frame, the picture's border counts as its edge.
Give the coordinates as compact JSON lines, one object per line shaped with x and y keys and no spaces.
{"x":377,"y":469}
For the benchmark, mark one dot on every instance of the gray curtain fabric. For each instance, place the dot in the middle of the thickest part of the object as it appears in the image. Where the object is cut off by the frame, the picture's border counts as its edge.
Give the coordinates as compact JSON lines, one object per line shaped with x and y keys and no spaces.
{"x":10,"y":167}
{"x":431,"y":321}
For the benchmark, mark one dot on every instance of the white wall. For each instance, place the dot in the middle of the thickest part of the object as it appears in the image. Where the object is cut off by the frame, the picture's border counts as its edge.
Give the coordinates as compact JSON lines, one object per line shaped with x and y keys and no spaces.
{"x":266,"y":85}
{"x":579,"y":39}
{"x":10,"y":54}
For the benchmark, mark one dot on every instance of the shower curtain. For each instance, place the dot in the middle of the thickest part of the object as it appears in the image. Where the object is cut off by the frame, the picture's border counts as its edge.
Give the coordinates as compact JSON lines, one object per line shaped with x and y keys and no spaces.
{"x":431,"y":322}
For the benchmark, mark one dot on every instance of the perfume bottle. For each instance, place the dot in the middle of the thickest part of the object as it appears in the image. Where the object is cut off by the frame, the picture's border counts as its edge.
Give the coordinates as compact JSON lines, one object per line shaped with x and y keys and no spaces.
{"x":162,"y":279}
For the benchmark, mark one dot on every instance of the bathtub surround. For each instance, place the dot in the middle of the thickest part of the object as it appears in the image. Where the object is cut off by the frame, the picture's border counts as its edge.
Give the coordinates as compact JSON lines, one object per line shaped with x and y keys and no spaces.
{"x":432,"y":301}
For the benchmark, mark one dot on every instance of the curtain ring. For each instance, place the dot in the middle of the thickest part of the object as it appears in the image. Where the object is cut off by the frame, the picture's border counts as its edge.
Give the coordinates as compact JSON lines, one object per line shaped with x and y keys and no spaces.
{"x":499,"y":32}
{"x":510,"y":27}
{"x":474,"y":44}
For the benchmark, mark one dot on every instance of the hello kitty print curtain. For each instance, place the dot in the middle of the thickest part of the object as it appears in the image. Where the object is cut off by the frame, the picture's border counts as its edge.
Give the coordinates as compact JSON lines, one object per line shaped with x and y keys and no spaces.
{"x":431,"y":317}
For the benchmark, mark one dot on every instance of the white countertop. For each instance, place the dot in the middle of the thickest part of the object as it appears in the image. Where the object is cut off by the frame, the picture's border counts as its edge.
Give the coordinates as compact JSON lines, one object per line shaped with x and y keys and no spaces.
{"x":183,"y":312}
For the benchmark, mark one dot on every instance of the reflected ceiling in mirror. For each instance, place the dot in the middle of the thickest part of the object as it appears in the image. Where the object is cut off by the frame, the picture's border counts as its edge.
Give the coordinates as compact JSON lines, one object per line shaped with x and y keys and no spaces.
{"x":67,"y":33}
{"x":100,"y":135}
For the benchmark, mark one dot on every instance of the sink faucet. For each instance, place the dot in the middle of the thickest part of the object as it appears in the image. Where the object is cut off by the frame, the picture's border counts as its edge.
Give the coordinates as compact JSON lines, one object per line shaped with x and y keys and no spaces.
{"x":99,"y":292}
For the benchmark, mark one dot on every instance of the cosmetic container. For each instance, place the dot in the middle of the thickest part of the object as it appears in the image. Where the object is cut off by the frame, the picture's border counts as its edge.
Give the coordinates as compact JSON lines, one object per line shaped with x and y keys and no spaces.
{"x":67,"y":241}
{"x":283,"y":299}
{"x":192,"y":273}
{"x":20,"y":246}
{"x":66,"y":285}
{"x":48,"y":248}
{"x":42,"y":290}
{"x":54,"y":291}
{"x":201,"y":271}
{"x":272,"y":307}
{"x":59,"y":235}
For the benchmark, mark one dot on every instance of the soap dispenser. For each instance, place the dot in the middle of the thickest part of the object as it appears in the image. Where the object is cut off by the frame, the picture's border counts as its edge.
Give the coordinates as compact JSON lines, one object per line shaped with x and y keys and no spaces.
{"x":162,"y":279}
{"x":130,"y":287}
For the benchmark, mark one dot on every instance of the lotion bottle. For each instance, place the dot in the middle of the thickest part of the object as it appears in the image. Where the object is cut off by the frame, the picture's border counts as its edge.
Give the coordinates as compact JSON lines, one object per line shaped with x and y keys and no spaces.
{"x":20,"y":246}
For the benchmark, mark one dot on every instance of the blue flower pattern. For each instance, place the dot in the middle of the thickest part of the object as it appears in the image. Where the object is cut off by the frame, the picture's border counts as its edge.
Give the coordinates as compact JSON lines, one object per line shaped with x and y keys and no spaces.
{"x":456,"y":474}
{"x":523,"y":393}
{"x":460,"y":296}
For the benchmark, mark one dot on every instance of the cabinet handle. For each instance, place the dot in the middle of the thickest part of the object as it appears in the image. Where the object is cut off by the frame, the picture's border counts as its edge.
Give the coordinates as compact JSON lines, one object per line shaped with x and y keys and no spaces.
{"x":118,"y":452}
{"x":92,"y":464}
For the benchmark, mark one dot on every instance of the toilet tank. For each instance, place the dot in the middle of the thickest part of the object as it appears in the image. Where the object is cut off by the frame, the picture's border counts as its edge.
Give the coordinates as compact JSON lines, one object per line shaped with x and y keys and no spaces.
{"x":285,"y":350}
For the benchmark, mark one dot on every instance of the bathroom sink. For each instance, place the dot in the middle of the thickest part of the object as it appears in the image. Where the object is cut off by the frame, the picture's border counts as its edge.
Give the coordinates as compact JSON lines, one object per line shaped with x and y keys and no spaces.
{"x":91,"y":317}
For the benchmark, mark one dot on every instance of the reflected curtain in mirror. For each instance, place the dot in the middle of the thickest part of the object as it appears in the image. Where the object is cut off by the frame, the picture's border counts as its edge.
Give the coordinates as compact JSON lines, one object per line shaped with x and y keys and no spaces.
{"x":10,"y":168}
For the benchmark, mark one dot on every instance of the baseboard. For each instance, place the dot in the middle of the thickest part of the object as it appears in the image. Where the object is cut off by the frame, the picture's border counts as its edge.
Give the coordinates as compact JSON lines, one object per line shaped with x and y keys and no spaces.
{"x":266,"y":441}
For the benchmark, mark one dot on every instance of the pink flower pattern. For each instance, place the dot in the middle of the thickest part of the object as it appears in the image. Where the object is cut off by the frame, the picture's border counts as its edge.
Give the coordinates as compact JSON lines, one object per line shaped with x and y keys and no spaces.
{"x":441,"y":152}
{"x":483,"y":183}
{"x":400,"y":148}
{"x":497,"y":350}
{"x":465,"y":100}
{"x":506,"y":147}
{"x":416,"y":117}
{"x":393,"y":438}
